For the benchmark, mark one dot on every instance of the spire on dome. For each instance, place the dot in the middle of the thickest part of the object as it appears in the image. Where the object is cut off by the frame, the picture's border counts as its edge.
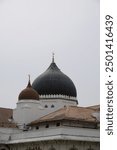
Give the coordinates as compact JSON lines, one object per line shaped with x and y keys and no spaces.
{"x":28,"y":93}
{"x":53,"y":57}
{"x":29,"y":83}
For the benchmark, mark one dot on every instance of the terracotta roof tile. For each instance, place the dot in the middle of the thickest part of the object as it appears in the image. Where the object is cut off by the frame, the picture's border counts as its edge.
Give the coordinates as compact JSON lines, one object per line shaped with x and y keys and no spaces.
{"x":69,"y":113}
{"x":95,"y":107}
{"x":5,"y":115}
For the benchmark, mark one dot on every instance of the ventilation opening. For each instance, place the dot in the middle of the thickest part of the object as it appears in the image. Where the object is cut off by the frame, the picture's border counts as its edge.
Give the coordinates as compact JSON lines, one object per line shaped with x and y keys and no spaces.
{"x":46,"y":106}
{"x":52,"y":106}
{"x":37,"y":127}
{"x":58,"y":124}
{"x":47,"y":126}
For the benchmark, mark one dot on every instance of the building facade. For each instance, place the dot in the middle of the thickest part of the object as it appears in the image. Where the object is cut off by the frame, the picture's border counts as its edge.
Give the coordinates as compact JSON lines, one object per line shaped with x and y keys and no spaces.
{"x":47,"y":117}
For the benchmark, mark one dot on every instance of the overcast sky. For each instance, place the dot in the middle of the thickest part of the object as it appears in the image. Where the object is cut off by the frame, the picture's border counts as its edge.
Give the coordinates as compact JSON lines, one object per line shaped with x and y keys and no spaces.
{"x":30,"y":30}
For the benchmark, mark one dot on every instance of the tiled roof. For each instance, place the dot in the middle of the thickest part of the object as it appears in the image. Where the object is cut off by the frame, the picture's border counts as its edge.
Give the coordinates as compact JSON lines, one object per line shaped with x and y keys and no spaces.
{"x":94,"y":107}
{"x":5,"y":116}
{"x":70,"y":113}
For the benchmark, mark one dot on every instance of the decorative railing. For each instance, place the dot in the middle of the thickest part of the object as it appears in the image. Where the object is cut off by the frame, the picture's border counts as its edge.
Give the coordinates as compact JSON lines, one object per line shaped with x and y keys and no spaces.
{"x":57,"y":97}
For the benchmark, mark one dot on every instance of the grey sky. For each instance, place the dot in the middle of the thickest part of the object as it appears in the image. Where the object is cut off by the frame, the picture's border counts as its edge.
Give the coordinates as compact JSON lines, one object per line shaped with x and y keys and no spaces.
{"x":30,"y":30}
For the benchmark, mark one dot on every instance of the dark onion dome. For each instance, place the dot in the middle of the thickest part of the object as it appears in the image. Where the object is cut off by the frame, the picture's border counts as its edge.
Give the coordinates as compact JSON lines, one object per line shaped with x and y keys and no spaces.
{"x":54,"y":82}
{"x":28,"y":93}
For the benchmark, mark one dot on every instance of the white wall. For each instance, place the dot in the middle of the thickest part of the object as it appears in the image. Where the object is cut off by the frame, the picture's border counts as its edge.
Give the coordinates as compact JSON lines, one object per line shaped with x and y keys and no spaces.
{"x":30,"y":110}
{"x":57,"y":103}
{"x":27,"y":111}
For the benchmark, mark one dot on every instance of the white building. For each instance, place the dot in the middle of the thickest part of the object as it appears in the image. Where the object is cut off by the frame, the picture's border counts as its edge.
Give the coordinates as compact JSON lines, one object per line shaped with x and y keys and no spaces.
{"x":47,"y":117}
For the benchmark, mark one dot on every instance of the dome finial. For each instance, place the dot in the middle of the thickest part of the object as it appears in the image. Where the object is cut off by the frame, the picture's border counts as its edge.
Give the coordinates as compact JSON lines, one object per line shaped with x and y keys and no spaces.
{"x":29,"y":84}
{"x":28,"y":93}
{"x":29,"y":76}
{"x":53,"y":57}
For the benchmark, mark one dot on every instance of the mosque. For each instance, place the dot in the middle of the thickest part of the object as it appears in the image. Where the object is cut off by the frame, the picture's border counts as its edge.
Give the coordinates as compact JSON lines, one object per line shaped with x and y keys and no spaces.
{"x":47,"y":117}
